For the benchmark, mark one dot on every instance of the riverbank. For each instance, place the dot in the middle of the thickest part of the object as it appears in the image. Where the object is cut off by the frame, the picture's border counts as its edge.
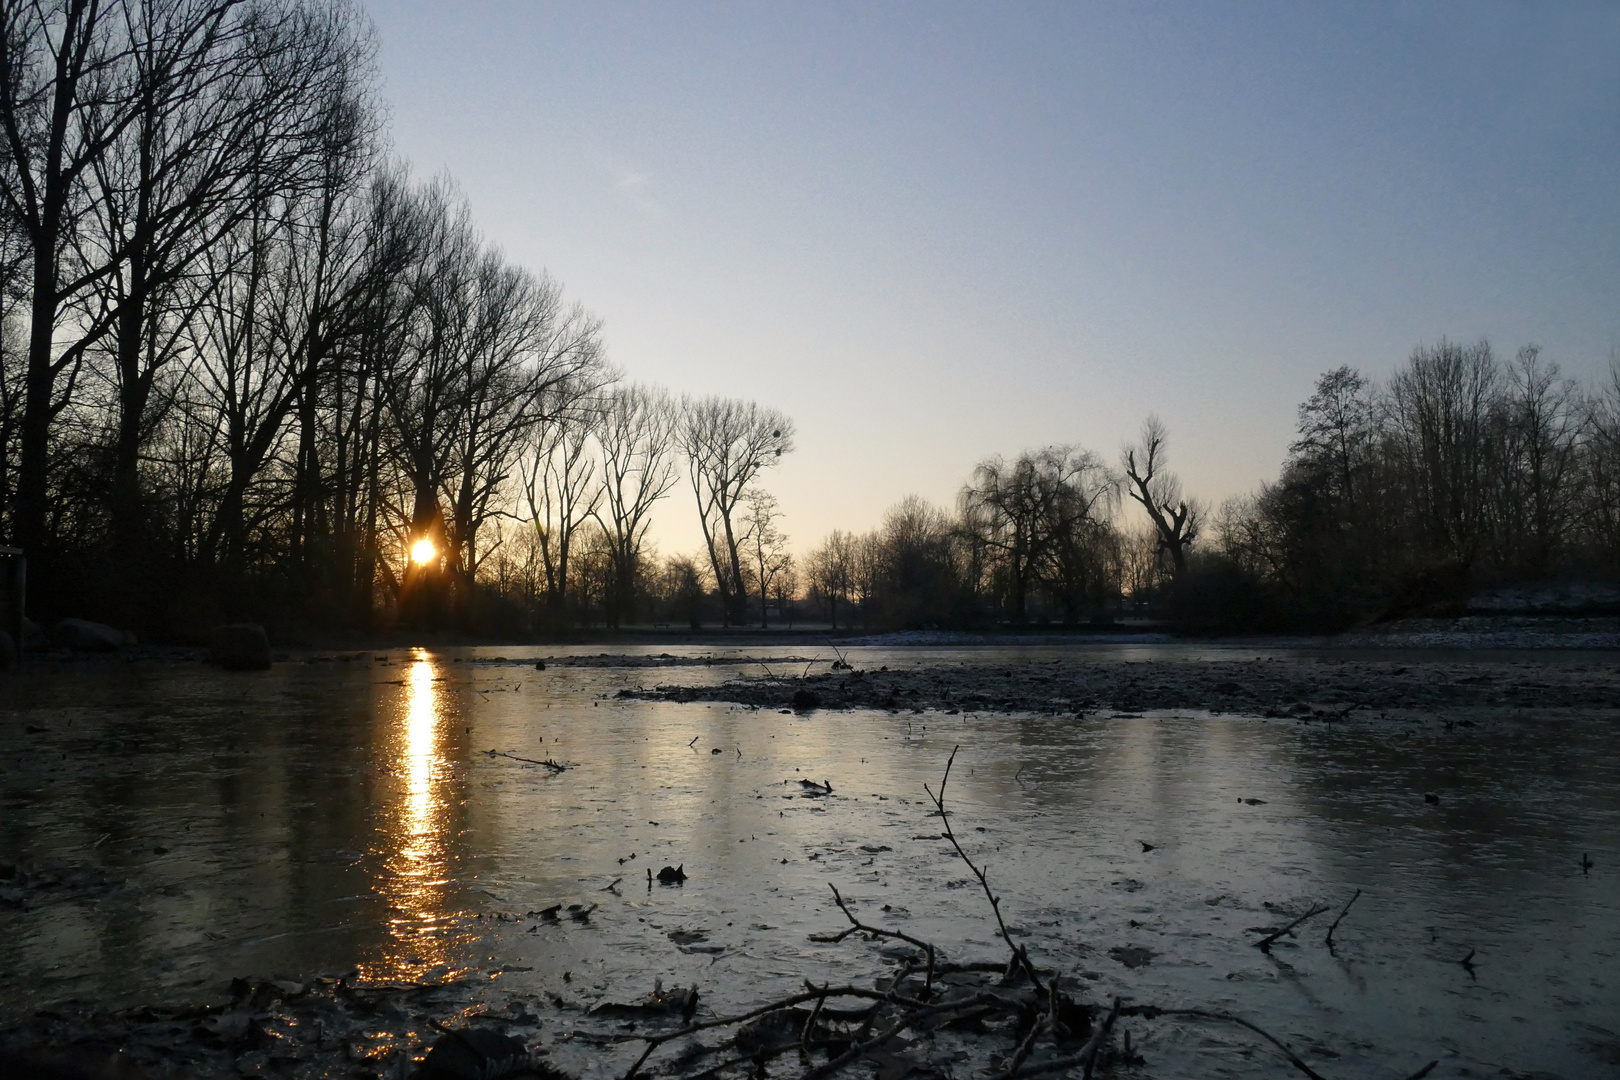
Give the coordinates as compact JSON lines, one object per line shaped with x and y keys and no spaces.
{"x":1324,"y":686}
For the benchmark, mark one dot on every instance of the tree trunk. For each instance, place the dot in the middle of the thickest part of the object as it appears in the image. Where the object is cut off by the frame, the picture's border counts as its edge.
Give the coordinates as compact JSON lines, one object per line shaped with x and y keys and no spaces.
{"x":134,"y":391}
{"x":33,"y":477}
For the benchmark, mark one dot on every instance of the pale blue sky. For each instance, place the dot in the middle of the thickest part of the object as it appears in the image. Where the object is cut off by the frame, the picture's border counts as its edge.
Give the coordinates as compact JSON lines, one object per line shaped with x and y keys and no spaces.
{"x":934,"y":232}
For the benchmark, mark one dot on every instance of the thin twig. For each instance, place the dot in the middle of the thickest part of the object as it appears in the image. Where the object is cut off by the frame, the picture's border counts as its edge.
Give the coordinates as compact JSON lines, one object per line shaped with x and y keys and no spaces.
{"x":1340,"y":919}
{"x":1151,"y":1011}
{"x":1101,"y":1036}
{"x":1264,"y":943}
{"x":856,"y":926}
{"x":554,"y":766}
{"x":1020,"y":956}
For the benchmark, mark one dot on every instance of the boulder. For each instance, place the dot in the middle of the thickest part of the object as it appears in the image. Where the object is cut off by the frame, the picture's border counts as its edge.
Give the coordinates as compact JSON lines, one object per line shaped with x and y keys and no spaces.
{"x":82,"y":635}
{"x":239,"y":647}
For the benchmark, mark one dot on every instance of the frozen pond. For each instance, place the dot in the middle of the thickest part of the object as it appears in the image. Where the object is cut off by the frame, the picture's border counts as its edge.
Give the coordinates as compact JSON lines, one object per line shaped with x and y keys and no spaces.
{"x":326,"y":817}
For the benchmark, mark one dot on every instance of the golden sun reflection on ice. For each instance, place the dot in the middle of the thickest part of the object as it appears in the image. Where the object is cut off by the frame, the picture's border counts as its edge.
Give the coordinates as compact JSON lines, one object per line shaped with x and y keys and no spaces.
{"x":413,"y":837}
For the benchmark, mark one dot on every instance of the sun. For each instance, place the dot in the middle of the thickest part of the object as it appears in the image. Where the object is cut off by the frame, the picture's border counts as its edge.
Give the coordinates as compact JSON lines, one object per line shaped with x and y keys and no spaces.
{"x":423,"y":552}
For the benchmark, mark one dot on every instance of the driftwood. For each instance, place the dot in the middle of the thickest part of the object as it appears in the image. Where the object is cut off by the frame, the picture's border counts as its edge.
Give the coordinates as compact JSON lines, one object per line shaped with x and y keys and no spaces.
{"x":554,"y":766}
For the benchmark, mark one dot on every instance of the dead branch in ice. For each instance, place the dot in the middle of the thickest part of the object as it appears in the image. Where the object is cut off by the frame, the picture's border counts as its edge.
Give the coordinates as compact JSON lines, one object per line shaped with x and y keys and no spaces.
{"x":1264,"y":944}
{"x":1329,"y":940}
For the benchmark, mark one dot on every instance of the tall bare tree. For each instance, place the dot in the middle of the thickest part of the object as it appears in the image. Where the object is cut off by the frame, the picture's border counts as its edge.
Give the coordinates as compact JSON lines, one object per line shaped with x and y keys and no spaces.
{"x":636,"y":439}
{"x":1538,"y":443}
{"x":295,"y":307}
{"x":561,"y":494}
{"x":67,"y":94}
{"x":14,"y":271}
{"x":766,"y":545}
{"x":832,"y":569}
{"x":526,"y":356}
{"x":1441,"y":406}
{"x":1176,"y":519}
{"x":230,"y":109}
{"x":727,"y":443}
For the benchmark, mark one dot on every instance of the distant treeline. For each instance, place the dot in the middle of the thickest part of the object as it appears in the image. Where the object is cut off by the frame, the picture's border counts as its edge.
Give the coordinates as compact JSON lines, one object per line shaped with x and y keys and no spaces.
{"x":1038,"y":540}
{"x":1397,"y":499}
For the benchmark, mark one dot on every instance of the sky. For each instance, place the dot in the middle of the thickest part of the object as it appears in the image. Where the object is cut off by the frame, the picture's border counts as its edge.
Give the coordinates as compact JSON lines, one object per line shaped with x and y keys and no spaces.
{"x":936,"y":232}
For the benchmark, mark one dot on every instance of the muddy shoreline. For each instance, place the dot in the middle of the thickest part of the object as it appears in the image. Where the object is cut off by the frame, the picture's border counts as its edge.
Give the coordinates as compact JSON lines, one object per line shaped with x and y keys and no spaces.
{"x":1322,"y":687}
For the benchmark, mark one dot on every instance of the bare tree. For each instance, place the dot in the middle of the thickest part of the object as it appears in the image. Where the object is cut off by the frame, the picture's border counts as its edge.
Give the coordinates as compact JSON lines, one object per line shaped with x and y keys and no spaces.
{"x":1600,"y":468}
{"x":684,"y":586}
{"x":13,"y":349}
{"x":230,"y":109}
{"x":831,"y":569}
{"x":1141,"y":565}
{"x":1082,"y":564}
{"x":525,"y":358}
{"x":591,"y":572}
{"x":422,"y":392}
{"x":1337,"y":432}
{"x":868,"y":572}
{"x":916,"y":574}
{"x":727,"y":443}
{"x":1176,"y":520}
{"x":301,"y":296}
{"x":785,"y":589}
{"x":67,"y":93}
{"x":765,"y":543}
{"x":1537,"y":447}
{"x":1441,"y":407}
{"x":636,"y":439}
{"x":559,"y":490}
